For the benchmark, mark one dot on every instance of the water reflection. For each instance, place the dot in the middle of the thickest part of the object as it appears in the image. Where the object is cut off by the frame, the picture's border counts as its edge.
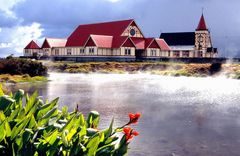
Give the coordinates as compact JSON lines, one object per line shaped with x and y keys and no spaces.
{"x":181,"y":116}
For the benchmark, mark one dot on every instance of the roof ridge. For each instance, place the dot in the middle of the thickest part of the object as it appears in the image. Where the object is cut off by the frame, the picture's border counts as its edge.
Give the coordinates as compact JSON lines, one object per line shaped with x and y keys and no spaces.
{"x":106,"y":22}
{"x":101,"y":35}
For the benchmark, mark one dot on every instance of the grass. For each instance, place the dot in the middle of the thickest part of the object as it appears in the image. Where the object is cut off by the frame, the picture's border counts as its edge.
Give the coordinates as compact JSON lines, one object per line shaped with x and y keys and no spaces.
{"x":20,"y":78}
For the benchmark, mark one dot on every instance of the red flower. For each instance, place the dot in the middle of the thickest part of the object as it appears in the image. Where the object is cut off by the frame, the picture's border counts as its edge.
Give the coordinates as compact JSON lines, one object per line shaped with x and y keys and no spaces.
{"x":129,"y":133}
{"x":133,"y":118}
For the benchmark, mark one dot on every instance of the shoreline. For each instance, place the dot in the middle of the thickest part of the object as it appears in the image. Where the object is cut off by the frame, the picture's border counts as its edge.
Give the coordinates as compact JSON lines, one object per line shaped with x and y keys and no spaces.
{"x":156,"y":68}
{"x":7,"y":78}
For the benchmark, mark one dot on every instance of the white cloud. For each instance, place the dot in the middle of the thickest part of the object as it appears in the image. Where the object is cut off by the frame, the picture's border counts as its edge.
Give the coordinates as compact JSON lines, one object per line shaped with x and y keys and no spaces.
{"x":7,"y":5}
{"x":13,"y":40}
{"x":5,"y":45}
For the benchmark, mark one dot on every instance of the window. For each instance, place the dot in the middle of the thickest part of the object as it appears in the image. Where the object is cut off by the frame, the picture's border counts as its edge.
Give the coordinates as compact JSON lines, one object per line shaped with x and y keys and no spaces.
{"x":91,"y":50}
{"x":185,"y":54}
{"x":81,"y":51}
{"x":176,"y":54}
{"x":56,"y":51}
{"x":69,"y":51}
{"x":127,"y":51}
{"x":153,"y":52}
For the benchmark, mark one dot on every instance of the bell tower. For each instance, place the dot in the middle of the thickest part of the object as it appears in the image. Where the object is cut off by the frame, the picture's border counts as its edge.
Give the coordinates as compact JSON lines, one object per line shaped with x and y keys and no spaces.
{"x":202,"y":38}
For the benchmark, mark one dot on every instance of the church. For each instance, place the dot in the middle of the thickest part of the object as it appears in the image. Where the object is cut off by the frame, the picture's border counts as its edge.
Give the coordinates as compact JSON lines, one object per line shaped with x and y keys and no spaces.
{"x":196,"y":44}
{"x":123,"y":41}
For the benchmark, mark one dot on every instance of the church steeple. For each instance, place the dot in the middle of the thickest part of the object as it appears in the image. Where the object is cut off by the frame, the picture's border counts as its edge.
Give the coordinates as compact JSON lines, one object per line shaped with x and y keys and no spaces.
{"x":202,"y":24}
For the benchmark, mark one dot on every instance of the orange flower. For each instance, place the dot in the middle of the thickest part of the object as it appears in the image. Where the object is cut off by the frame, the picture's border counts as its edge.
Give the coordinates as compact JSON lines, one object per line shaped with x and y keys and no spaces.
{"x":133,"y":118}
{"x":129,"y":133}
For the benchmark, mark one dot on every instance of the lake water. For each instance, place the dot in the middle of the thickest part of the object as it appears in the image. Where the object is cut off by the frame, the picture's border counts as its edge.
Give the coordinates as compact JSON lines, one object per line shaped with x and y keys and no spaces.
{"x":180,"y":116}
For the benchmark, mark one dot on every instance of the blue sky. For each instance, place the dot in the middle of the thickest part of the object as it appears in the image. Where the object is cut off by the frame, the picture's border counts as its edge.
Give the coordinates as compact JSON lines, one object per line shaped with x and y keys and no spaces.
{"x":24,"y":20}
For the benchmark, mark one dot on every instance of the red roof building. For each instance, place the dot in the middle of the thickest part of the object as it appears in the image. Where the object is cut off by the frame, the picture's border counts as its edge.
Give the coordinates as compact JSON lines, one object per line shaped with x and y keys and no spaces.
{"x":32,"y":49}
{"x":32,"y":45}
{"x":191,"y":44}
{"x":118,"y":39}
{"x":54,"y":42}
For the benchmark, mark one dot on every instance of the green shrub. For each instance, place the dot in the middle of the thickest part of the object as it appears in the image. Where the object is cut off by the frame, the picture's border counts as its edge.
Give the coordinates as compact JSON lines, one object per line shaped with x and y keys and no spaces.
{"x":32,"y":127}
{"x":17,"y":66}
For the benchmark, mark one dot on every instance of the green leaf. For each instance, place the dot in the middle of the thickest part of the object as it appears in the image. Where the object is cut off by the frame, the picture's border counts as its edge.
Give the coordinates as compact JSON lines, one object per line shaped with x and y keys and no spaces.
{"x":31,"y":101}
{"x":1,"y":91}
{"x":64,"y":111}
{"x":108,"y":132}
{"x":93,"y":119}
{"x":2,"y":131}
{"x":47,"y":107}
{"x":26,"y":136}
{"x":51,"y":114}
{"x":5,"y":102}
{"x":32,"y":123}
{"x":7,"y":128}
{"x":19,"y":95}
{"x":19,"y":127}
{"x":69,"y":124}
{"x":5,"y":123}
{"x":81,"y":121}
{"x":71,"y":134}
{"x":111,"y":139}
{"x":64,"y":137}
{"x":2,"y":116}
{"x":82,"y":132}
{"x":51,"y":138}
{"x":93,"y":145}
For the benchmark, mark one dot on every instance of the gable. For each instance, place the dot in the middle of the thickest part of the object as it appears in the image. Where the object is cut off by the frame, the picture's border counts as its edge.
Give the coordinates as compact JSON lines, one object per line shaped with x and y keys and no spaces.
{"x":90,"y":43}
{"x":153,"y":45}
{"x":133,"y":26}
{"x":32,"y":45}
{"x":45,"y":44}
{"x":128,"y":43}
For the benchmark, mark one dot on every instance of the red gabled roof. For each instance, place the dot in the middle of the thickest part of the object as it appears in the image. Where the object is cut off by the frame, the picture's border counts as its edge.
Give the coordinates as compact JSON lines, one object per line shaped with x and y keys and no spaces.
{"x":122,"y":41}
{"x":54,"y":42}
{"x":101,"y":41}
{"x":202,"y":24}
{"x":118,"y":41}
{"x":82,"y":33}
{"x":162,"y":44}
{"x":128,"y":43}
{"x":144,"y":43}
{"x":154,"y":44}
{"x":32,"y":45}
{"x":148,"y":42}
{"x":139,"y":42}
